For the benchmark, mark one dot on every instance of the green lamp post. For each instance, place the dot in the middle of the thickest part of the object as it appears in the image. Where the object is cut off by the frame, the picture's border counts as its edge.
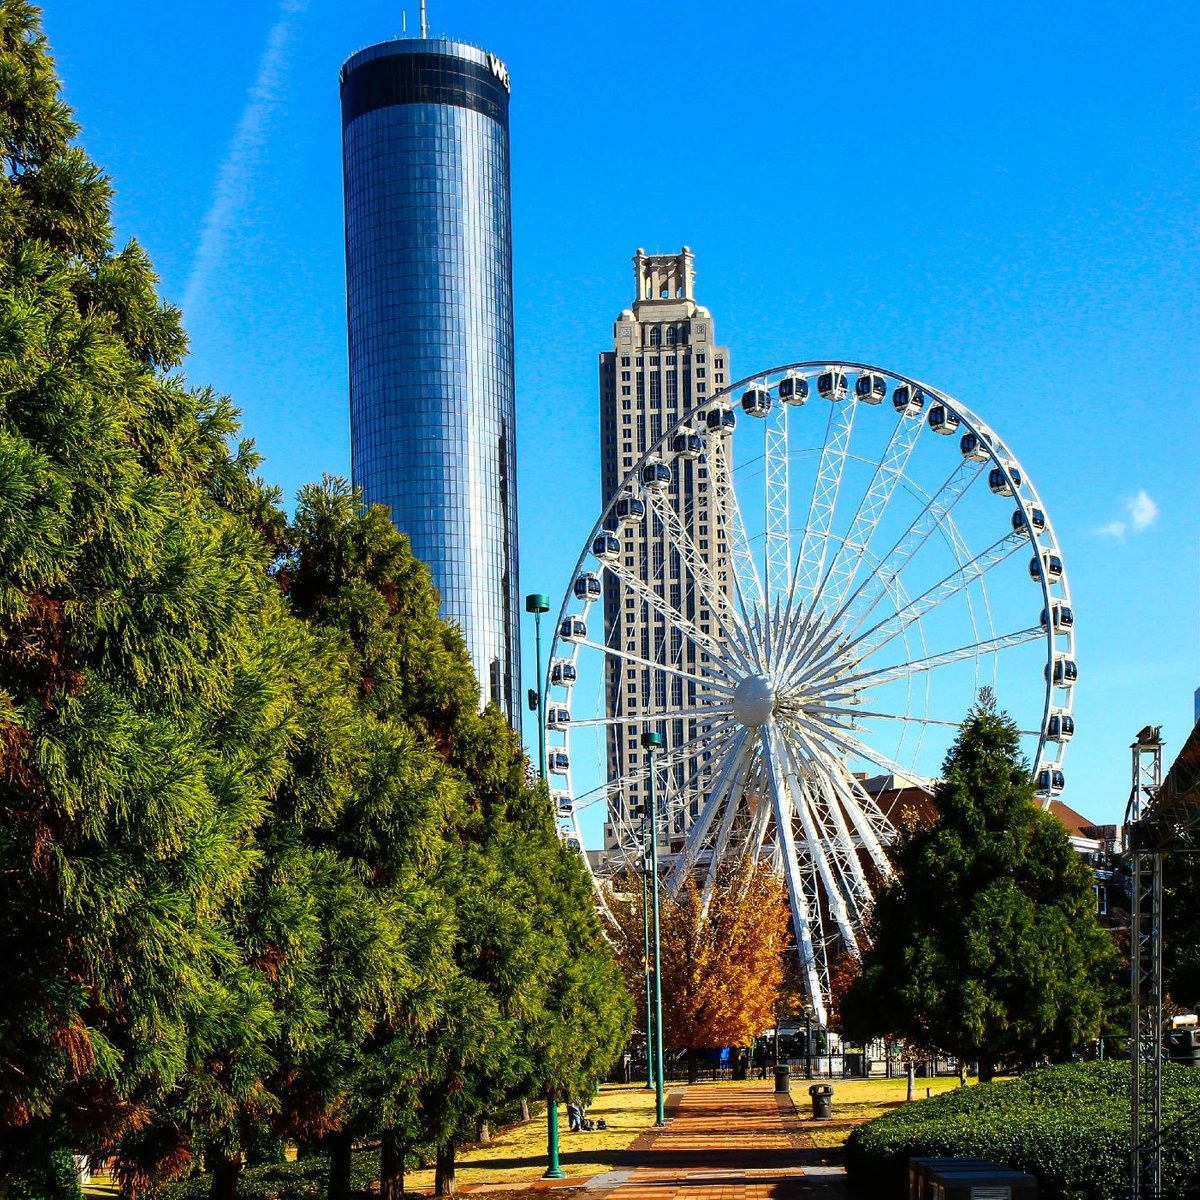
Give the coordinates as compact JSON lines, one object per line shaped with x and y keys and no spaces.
{"x":537,"y":604}
{"x":651,"y":743}
{"x":646,"y":956}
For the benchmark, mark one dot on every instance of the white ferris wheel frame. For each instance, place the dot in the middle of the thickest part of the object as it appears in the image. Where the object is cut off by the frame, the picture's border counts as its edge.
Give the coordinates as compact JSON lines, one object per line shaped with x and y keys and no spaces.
{"x":844,"y":832}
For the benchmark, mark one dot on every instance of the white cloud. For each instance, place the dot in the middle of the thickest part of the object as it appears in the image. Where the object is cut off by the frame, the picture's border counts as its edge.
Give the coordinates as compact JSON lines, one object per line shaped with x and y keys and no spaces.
{"x":249,"y":137}
{"x":1143,"y":512}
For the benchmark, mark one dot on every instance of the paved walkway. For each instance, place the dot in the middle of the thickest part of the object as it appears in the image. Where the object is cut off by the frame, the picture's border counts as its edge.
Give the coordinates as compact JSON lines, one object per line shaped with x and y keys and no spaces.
{"x":739,"y":1142}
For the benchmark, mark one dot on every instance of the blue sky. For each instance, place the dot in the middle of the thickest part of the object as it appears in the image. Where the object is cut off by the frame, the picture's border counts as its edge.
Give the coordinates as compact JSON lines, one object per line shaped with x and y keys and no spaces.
{"x":1001,"y":200}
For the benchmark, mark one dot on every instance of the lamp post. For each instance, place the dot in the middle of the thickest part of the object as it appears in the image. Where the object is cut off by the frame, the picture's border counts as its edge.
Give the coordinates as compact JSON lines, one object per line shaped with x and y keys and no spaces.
{"x":537,"y":604}
{"x":646,"y":955}
{"x":652,"y":742}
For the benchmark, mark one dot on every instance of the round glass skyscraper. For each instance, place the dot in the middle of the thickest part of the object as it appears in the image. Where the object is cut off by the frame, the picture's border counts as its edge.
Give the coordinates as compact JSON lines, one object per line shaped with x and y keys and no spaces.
{"x":429,"y":300}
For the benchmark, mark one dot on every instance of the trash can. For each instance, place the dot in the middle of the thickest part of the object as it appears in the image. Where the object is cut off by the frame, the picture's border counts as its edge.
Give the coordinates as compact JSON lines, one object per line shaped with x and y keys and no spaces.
{"x":822,"y":1101}
{"x":783,"y":1078}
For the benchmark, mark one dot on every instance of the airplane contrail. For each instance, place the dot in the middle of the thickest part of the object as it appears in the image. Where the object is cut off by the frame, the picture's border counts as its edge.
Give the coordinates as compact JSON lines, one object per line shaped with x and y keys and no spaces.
{"x":248,"y":140}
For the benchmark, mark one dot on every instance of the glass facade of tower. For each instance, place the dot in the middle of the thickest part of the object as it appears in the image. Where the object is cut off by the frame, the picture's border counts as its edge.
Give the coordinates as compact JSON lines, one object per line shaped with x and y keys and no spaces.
{"x":429,"y":298}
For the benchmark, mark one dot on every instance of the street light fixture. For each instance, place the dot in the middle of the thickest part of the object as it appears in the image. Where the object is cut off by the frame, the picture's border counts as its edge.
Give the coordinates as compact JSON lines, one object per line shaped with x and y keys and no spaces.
{"x":651,"y":743}
{"x":537,"y":604}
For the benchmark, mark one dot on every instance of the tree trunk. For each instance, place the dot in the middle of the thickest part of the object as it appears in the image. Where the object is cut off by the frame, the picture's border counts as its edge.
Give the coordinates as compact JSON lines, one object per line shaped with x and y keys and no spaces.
{"x":987,"y":1070}
{"x":225,"y":1171}
{"x":524,"y":1109}
{"x":391,"y":1166}
{"x":339,"y":1146}
{"x":444,"y":1183}
{"x":693,"y":1066}
{"x":910,"y":1071}
{"x":483,"y":1130}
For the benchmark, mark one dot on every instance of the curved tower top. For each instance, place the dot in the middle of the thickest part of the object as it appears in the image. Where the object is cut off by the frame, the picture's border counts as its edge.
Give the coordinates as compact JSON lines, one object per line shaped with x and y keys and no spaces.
{"x":430,"y":326}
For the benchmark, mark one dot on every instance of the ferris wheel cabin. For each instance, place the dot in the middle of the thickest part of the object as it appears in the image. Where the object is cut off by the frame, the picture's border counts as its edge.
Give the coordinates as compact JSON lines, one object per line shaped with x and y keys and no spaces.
{"x":1065,"y":671}
{"x":721,"y":420}
{"x":942,"y":420}
{"x":973,"y":448}
{"x":870,"y":388}
{"x":1049,"y":564}
{"x":1060,"y":727}
{"x":563,"y":673}
{"x":630,"y":510}
{"x":607,"y":547}
{"x":557,"y":716}
{"x":793,"y":389}
{"x":1062,"y":619}
{"x":831,"y":385}
{"x":572,"y":629}
{"x":998,"y":481}
{"x":587,"y":587}
{"x":756,"y":401}
{"x":1032,"y":518}
{"x":688,"y":444}
{"x":1050,"y":781}
{"x":907,"y":400}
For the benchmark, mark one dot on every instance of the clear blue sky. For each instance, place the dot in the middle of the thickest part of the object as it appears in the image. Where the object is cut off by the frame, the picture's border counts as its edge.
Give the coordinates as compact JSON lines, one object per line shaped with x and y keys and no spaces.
{"x":1000,"y":199}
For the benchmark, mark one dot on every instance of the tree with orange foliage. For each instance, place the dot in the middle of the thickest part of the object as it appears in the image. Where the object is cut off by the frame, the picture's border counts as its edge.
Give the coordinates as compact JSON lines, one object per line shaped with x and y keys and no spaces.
{"x":721,"y":969}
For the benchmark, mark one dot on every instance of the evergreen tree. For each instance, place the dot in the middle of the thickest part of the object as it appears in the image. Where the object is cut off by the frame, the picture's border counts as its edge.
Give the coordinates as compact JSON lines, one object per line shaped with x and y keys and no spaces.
{"x":987,"y":943}
{"x":139,"y":731}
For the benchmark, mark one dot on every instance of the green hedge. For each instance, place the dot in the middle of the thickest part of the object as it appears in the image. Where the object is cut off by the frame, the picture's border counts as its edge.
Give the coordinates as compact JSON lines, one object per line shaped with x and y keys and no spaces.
{"x":280,"y":1181}
{"x":1067,"y":1125}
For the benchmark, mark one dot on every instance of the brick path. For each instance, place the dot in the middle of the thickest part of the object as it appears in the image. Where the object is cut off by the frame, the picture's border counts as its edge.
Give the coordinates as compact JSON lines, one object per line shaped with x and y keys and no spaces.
{"x":739,"y":1142}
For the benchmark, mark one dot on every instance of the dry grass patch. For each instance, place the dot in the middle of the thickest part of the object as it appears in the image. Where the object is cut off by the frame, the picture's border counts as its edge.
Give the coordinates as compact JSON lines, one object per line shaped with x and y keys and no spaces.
{"x":518,"y":1154}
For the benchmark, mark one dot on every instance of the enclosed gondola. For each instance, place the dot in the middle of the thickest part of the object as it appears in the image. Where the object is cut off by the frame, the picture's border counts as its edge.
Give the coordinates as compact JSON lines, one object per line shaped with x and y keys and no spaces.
{"x":1004,"y":483}
{"x":1060,"y":727}
{"x":756,"y":401}
{"x":943,"y":420}
{"x":558,"y":762}
{"x":831,"y":385}
{"x":973,"y":449}
{"x":1030,"y":518}
{"x":557,"y":716}
{"x":630,"y":509}
{"x":656,"y":476}
{"x":1061,"y":617}
{"x":793,"y":389}
{"x":907,"y":400}
{"x":870,"y":387}
{"x":1065,"y":672}
{"x":1050,"y":781}
{"x":563,"y":673}
{"x":572,"y":629}
{"x":721,"y":420}
{"x":688,"y":444}
{"x":587,"y":587}
{"x":1048,"y":564}
{"x":607,"y":547}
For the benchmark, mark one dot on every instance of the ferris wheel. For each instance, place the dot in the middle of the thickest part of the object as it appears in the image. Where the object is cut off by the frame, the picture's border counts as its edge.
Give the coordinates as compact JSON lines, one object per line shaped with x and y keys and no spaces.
{"x":802,"y":584}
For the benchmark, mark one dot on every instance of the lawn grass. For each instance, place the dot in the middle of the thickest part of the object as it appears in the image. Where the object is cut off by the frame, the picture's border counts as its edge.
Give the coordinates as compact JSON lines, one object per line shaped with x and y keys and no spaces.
{"x":856,"y":1101}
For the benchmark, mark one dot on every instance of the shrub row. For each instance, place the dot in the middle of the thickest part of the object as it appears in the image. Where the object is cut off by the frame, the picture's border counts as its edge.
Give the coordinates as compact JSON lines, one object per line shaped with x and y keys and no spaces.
{"x":1068,"y":1125}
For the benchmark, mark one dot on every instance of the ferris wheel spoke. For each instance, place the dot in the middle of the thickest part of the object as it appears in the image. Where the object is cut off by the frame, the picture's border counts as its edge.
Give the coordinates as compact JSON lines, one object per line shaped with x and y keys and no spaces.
{"x":733,"y":805}
{"x":827,"y":796}
{"x":847,"y":796}
{"x":779,"y":542}
{"x":745,"y":573}
{"x":805,"y":909}
{"x":673,"y":618}
{"x":716,"y":599}
{"x":711,"y":740}
{"x":888,"y":473}
{"x":852,"y":684}
{"x":927,"y":522}
{"x":815,"y":545}
{"x":880,"y":634}
{"x":717,"y":793}
{"x":628,"y":658}
{"x":818,"y":845}
{"x":651,"y":714}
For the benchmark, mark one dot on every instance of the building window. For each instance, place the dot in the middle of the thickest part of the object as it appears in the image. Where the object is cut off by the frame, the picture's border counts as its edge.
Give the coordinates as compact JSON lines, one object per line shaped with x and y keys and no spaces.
{"x":625,"y":391}
{"x":625,"y":377}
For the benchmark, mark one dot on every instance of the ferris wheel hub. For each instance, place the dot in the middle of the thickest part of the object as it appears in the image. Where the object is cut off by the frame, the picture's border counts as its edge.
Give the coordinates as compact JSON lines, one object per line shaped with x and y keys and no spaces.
{"x":754,"y":701}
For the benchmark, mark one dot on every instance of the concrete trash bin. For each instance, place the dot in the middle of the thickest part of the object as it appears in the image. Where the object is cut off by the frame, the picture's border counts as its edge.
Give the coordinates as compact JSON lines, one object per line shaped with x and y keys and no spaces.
{"x":783,"y":1078}
{"x":822,"y":1101}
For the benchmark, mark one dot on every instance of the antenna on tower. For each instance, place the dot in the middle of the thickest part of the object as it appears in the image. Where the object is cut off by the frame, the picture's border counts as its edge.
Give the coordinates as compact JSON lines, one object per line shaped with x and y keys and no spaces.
{"x":424,"y":27}
{"x":403,"y":23}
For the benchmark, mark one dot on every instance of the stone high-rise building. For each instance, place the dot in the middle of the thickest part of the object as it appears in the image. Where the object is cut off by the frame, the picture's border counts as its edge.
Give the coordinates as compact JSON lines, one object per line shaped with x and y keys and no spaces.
{"x":664,"y":363}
